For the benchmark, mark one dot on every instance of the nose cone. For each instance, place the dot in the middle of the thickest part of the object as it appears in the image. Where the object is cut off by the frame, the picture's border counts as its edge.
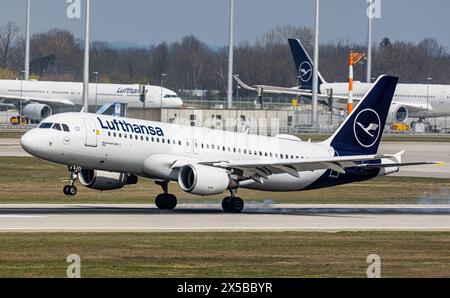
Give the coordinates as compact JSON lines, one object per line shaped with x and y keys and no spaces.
{"x":30,"y":142}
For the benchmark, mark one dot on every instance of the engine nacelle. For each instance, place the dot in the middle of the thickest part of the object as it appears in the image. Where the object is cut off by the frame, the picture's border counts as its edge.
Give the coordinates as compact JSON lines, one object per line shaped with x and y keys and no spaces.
{"x":397,"y":114}
{"x":102,"y":180}
{"x":37,"y":111}
{"x":204,"y":180}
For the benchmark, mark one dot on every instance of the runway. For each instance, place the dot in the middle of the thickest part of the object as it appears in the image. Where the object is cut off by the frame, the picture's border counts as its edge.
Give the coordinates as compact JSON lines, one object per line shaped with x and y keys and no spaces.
{"x":414,"y":152}
{"x":11,"y":148}
{"x":202,"y":217}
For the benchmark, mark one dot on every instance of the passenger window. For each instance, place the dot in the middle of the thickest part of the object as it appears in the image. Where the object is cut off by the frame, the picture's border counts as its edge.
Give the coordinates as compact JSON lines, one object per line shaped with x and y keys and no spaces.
{"x":65,"y":128}
{"x":56,"y":126}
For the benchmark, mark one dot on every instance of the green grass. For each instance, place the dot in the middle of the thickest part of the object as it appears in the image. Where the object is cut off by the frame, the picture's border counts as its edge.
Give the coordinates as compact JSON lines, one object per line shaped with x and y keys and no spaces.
{"x":237,"y":254}
{"x":29,"y":180}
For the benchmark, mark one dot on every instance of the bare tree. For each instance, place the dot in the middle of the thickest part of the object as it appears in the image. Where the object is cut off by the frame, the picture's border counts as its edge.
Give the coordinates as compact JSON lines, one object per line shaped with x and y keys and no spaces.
{"x":7,"y":35}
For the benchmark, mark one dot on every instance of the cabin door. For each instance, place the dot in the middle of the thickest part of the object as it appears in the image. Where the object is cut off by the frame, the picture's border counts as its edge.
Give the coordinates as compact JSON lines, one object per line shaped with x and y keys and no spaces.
{"x":91,"y":132}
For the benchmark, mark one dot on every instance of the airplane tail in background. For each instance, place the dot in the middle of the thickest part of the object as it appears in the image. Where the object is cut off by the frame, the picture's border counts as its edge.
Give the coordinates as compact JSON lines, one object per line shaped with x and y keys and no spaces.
{"x":303,"y":65}
{"x":361,"y":132}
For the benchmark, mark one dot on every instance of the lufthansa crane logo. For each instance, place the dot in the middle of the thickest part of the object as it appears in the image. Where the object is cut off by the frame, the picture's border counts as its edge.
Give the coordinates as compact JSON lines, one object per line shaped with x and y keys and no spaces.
{"x":305,"y":71}
{"x":367,"y":127}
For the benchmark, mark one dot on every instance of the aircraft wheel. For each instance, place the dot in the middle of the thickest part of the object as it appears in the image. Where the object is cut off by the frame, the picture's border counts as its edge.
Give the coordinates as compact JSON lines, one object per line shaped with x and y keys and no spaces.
{"x":171,"y":202}
{"x":70,"y":190}
{"x":237,"y":205}
{"x":226,"y":204}
{"x":232,"y":205}
{"x":166,"y":201}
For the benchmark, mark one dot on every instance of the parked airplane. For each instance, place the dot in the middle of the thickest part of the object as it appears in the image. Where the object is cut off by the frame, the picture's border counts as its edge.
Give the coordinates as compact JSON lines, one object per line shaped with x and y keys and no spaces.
{"x":107,"y":153}
{"x":410,"y":100}
{"x":43,"y":98}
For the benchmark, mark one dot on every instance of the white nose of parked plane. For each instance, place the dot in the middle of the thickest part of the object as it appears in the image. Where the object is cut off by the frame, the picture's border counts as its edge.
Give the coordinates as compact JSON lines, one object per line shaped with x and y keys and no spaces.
{"x":178,"y":102}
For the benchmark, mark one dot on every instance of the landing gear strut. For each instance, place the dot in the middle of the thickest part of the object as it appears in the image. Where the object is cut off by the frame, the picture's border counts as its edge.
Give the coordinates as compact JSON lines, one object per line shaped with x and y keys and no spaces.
{"x":232,"y":204}
{"x":165,"y":200}
{"x":71,"y":189}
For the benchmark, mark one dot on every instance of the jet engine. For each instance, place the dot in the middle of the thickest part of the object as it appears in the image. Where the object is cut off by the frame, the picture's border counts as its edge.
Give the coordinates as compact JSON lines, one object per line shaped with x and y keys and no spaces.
{"x":204,"y":180}
{"x":37,"y":111}
{"x":102,"y":180}
{"x":397,"y":114}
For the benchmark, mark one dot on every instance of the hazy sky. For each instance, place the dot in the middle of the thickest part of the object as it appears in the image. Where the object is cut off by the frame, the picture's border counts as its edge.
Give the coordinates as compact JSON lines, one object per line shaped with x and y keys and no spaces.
{"x":152,"y":21}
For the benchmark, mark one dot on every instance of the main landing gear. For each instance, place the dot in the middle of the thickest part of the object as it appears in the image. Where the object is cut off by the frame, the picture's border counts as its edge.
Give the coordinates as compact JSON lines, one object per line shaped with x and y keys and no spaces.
{"x":232,"y":204}
{"x":71,"y":189}
{"x":165,"y":200}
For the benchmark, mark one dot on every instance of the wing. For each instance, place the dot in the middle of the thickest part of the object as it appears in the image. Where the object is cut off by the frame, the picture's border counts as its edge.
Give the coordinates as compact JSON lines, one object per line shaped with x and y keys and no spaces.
{"x":259,"y":170}
{"x":10,"y":99}
{"x":290,"y":91}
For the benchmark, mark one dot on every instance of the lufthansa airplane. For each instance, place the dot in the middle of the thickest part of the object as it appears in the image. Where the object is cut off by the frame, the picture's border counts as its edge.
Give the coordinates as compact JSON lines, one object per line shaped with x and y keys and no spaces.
{"x":409,"y":101}
{"x":107,"y":153}
{"x":44,"y":98}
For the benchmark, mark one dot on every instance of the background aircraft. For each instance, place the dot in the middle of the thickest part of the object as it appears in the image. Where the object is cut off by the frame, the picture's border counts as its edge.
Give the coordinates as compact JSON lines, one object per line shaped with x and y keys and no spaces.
{"x":43,"y":98}
{"x":410,"y":100}
{"x":110,"y":152}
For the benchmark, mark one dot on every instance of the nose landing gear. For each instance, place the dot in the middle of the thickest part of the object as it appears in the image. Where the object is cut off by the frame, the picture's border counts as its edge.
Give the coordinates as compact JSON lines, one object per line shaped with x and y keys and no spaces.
{"x":71,"y":189}
{"x":165,"y":200}
{"x":232,"y":204}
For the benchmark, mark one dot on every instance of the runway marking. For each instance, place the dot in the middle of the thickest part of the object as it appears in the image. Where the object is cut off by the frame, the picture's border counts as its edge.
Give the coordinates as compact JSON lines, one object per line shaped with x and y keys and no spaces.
{"x":22,"y":216}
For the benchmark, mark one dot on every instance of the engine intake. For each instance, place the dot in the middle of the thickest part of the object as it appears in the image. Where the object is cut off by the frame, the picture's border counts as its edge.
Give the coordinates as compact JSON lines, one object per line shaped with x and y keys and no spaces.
{"x":204,"y":180}
{"x":102,"y":180}
{"x":37,"y":111}
{"x":397,"y":114}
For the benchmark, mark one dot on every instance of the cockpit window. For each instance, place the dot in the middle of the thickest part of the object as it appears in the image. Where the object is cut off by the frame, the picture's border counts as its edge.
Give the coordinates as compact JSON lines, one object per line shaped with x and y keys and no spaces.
{"x":46,"y":125}
{"x":56,"y":126}
{"x":170,"y":96}
{"x":65,"y":127}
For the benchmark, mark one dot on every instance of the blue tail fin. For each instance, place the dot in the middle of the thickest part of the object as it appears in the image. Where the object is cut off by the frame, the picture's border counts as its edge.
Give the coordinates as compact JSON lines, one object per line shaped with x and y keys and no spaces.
{"x":361,"y":132}
{"x":303,"y":65}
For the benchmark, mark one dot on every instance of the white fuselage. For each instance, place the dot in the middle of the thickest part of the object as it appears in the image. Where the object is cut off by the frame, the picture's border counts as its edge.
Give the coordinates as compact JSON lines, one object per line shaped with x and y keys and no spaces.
{"x":99,"y":94}
{"x":420,"y":96}
{"x":149,"y":149}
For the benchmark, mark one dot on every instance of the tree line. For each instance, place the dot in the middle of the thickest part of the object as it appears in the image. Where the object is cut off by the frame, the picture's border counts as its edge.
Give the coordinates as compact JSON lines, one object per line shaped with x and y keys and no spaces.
{"x":190,"y":64}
